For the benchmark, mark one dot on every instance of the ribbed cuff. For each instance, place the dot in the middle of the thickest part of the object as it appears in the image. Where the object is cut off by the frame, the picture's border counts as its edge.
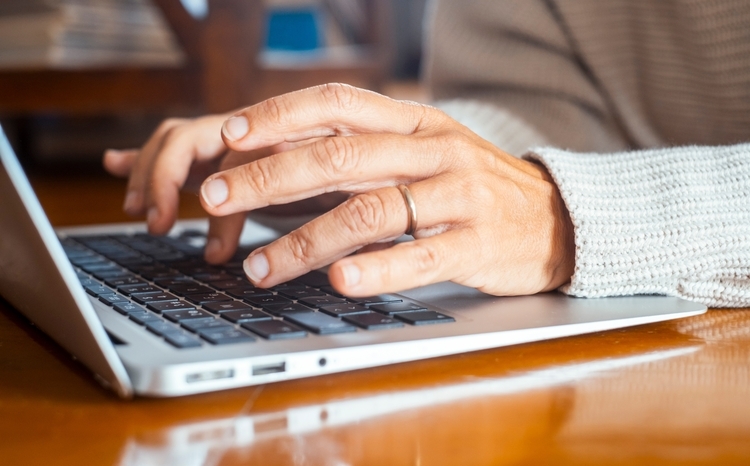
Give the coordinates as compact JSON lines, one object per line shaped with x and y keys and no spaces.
{"x":665,"y":221}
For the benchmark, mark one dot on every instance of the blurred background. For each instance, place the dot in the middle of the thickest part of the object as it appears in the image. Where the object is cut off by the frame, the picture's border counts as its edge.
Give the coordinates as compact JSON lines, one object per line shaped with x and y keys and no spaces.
{"x":79,"y":76}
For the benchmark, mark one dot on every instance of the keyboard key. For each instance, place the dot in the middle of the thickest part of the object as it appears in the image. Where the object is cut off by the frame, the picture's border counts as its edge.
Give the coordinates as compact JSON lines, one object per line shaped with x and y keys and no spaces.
{"x":183,"y":289}
{"x":127,"y":308}
{"x":225,"y":285}
{"x":317,"y":301}
{"x":274,"y":329}
{"x":100,"y":266}
{"x":162,"y":328}
{"x":395,"y":308}
{"x":337,"y":310}
{"x":143,"y":317}
{"x":224,"y":336}
{"x":300,"y":293}
{"x":96,"y":290}
{"x":319,"y":323}
{"x":141,"y":288}
{"x":244,"y":315}
{"x":380,"y":299}
{"x":213,"y":277}
{"x":177,"y":316}
{"x":183,"y":340}
{"x":204,"y":298}
{"x":373,"y":321}
{"x":124,"y":281}
{"x":88,"y":282}
{"x":273,"y":300}
{"x":329,"y":290}
{"x":197,"y":324}
{"x":424,"y":318}
{"x":109,"y":274}
{"x":143,"y":298}
{"x":167,"y":282}
{"x":169,"y":306}
{"x":112,"y":299}
{"x":279,"y":309}
{"x":314,"y":279}
{"x":223,"y":306}
{"x":248,"y":292}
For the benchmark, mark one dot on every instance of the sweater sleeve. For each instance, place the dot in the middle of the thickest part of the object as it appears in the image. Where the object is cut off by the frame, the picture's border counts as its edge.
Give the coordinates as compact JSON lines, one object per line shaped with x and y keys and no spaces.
{"x":672,"y":221}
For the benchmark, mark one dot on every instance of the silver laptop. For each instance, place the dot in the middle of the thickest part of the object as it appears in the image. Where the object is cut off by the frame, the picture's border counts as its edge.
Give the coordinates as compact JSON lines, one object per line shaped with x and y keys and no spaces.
{"x":147,"y":316}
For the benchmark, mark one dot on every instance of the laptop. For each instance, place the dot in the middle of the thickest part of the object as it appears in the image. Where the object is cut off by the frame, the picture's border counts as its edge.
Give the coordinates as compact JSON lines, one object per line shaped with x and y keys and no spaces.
{"x":148,"y":317}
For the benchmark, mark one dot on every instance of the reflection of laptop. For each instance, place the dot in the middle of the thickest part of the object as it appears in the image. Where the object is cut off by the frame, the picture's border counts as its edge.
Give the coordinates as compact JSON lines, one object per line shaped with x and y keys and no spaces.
{"x":147,"y":316}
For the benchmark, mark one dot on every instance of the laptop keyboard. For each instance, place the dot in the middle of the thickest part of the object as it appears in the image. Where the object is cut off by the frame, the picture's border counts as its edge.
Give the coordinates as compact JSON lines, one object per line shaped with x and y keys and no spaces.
{"x":164,"y":285}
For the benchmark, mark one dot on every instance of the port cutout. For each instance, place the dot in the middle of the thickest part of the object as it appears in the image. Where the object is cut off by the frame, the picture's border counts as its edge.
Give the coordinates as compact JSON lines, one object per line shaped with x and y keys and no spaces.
{"x":209,"y":375}
{"x":262,"y":369}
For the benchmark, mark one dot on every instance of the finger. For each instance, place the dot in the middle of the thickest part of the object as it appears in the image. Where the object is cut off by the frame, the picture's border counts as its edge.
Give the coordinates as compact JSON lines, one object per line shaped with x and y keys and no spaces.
{"x":351,"y":164}
{"x":327,"y":110}
{"x":223,"y":236}
{"x":368,"y":218}
{"x":404,"y":266}
{"x":119,"y":162}
{"x":181,"y":147}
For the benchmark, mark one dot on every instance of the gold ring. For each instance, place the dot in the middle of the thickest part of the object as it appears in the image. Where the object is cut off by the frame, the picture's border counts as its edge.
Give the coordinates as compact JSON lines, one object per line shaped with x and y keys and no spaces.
{"x":411,"y":210}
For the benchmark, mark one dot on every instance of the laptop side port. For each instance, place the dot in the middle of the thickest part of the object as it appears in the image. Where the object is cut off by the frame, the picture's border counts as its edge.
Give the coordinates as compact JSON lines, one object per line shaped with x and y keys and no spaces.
{"x":262,"y":369}
{"x":209,"y":375}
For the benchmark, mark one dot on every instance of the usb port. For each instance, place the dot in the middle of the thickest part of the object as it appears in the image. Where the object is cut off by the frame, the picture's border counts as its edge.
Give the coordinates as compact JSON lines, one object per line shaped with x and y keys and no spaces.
{"x":262,"y":369}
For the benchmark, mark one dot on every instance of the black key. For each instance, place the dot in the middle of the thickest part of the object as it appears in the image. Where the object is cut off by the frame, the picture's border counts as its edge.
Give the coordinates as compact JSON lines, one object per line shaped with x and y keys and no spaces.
{"x":193,"y":271}
{"x":162,"y":328}
{"x":395,"y":308}
{"x":143,"y":317}
{"x":317,"y":301}
{"x":380,"y":299}
{"x":424,"y":318}
{"x":89,"y":282}
{"x":167,"y":282}
{"x":127,"y":308}
{"x":248,"y":292}
{"x":225,"y":285}
{"x":143,"y":298}
{"x":124,"y":280}
{"x":142,"y":288}
{"x":314,"y":279}
{"x":96,"y":290}
{"x":319,"y":323}
{"x":225,"y":335}
{"x":300,"y":293}
{"x":177,"y":316}
{"x":204,"y":298}
{"x":373,"y":321}
{"x":169,"y":306}
{"x":82,"y":275}
{"x":273,"y":300}
{"x":90,"y":259}
{"x":109,"y":274}
{"x":337,"y":310}
{"x":329,"y":290}
{"x":183,"y":340}
{"x":244,"y":315}
{"x":274,"y":329}
{"x":112,"y":299}
{"x":279,"y":309}
{"x":213,"y":277}
{"x":183,"y":289}
{"x":196,"y":324}
{"x":223,"y":306}
{"x":99,"y":266}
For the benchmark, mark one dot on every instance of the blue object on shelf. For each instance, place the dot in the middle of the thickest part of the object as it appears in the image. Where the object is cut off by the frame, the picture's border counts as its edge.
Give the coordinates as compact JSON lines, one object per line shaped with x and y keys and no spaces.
{"x":294,"y":29}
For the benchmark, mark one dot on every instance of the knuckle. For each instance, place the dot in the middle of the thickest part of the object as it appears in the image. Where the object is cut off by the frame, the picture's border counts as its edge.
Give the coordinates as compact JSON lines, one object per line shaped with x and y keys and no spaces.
{"x":258,"y":177}
{"x":479,"y":191}
{"x":342,"y":96}
{"x":300,"y":247}
{"x":363,"y":214}
{"x":275,"y":109}
{"x":336,"y":156}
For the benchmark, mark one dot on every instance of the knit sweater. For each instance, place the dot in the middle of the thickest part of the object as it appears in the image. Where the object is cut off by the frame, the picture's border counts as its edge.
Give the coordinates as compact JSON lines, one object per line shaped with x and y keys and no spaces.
{"x":637,"y":109}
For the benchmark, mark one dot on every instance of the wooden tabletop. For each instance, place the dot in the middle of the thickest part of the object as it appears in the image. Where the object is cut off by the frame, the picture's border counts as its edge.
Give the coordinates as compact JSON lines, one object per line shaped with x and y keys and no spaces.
{"x":669,"y":393}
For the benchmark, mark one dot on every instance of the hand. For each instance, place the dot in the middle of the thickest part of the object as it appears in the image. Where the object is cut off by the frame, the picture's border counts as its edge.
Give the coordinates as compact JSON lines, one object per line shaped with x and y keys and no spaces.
{"x":485,"y":219}
{"x":180,"y":155}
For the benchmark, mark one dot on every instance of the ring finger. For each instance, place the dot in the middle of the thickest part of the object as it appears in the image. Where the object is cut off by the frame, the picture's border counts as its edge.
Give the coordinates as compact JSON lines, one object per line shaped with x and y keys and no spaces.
{"x":379,"y":215}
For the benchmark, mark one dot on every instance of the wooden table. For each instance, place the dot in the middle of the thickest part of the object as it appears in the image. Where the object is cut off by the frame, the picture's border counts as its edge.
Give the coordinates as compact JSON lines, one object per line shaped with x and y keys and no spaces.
{"x":670,"y":393}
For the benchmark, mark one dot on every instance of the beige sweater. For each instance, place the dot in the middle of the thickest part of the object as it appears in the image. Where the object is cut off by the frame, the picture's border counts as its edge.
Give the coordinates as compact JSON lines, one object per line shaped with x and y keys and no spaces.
{"x":593,"y":81}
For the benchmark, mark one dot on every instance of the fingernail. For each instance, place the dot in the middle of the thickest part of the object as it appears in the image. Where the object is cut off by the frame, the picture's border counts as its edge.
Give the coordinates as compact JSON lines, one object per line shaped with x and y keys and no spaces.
{"x":215,"y":192}
{"x":213,"y":247}
{"x":152,"y":216}
{"x":235,"y":128}
{"x":131,"y":201}
{"x":256,"y":267}
{"x":352,"y":275}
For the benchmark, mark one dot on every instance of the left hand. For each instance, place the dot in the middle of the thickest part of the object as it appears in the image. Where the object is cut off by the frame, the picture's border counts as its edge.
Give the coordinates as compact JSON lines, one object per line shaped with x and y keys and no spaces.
{"x":485,"y":218}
